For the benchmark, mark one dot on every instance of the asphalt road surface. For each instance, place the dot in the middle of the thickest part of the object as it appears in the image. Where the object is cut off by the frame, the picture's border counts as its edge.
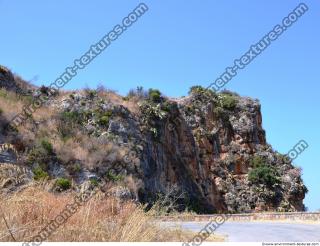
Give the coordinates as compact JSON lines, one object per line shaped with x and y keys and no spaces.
{"x":260,"y":231}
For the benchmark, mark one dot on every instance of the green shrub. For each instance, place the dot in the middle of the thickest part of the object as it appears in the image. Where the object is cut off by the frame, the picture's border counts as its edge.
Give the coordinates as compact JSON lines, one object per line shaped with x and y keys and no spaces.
{"x":39,"y":174}
{"x":196,"y":89}
{"x":218,"y":111}
{"x":168,"y":106}
{"x":205,"y":93}
{"x":91,"y":93}
{"x":113,"y":177}
{"x":108,"y":113}
{"x":69,"y":122}
{"x":63,"y":184}
{"x":104,"y":117}
{"x":94,"y":182}
{"x":42,"y":154}
{"x":258,"y":161}
{"x":264,"y":174}
{"x":36,"y":155}
{"x":228,"y":101}
{"x":72,"y":117}
{"x":227,"y":92}
{"x":154,"y":95}
{"x":75,"y":168}
{"x":46,"y":145}
{"x":1,"y":111}
{"x":104,"y":121}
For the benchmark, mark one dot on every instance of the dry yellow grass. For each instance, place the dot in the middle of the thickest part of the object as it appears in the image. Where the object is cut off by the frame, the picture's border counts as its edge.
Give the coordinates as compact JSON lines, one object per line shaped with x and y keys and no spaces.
{"x":9,"y":103}
{"x":102,"y":218}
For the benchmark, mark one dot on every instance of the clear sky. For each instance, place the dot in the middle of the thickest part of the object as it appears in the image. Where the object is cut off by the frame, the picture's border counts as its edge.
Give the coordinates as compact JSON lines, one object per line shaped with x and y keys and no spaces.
{"x":175,"y":45}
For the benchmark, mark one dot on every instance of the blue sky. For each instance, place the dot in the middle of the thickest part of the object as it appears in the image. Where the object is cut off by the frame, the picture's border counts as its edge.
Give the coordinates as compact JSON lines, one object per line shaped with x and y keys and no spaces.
{"x":175,"y":45}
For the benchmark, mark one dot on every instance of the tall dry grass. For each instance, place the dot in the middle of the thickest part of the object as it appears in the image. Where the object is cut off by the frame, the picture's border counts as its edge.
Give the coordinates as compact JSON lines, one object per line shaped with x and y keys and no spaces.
{"x":102,"y":218}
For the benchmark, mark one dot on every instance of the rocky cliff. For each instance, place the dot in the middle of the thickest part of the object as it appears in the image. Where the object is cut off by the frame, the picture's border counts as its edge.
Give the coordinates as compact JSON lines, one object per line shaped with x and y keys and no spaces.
{"x":206,"y":151}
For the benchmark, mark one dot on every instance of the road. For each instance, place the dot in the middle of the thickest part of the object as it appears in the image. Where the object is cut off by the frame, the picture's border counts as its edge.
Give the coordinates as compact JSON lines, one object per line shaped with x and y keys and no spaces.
{"x":260,"y":231}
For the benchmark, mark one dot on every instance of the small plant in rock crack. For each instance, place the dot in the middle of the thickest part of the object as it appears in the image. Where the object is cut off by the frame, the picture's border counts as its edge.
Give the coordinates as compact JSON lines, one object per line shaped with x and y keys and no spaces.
{"x":47,"y":146}
{"x":152,"y":113}
{"x":63,"y":184}
{"x":113,"y":177}
{"x":94,"y":182}
{"x":40,"y":174}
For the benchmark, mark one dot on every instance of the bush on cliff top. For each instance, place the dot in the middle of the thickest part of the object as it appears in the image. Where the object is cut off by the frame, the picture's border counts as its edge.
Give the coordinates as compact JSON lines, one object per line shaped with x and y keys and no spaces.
{"x":228,"y":101}
{"x":204,"y":92}
{"x":196,"y":89}
{"x":154,"y":95}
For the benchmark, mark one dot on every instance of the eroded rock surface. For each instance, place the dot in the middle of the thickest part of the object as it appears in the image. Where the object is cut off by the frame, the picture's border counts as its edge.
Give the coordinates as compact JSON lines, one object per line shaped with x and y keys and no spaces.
{"x":208,"y":150}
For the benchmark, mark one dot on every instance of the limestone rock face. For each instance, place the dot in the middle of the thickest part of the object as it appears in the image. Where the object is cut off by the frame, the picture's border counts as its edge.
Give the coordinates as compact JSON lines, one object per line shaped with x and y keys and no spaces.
{"x":207,"y":151}
{"x":199,"y":149}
